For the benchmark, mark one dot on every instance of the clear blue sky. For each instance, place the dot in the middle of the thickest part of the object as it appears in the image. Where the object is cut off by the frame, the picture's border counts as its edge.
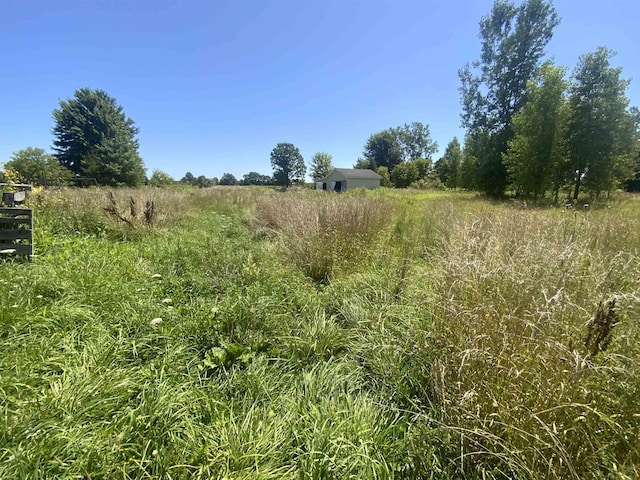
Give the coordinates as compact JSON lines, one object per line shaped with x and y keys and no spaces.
{"x":215,"y":85}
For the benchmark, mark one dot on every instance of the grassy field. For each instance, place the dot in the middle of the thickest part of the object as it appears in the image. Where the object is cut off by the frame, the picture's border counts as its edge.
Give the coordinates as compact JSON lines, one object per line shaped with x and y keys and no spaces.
{"x":240,"y":333}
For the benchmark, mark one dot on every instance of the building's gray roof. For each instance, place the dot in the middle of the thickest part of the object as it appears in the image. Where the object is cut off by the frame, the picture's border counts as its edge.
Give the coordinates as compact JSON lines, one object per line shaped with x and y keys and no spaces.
{"x":360,"y":173}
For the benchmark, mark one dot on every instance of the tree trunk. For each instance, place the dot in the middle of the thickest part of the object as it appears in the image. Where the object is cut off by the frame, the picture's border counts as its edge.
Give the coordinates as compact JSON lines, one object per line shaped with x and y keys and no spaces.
{"x":577,"y":189}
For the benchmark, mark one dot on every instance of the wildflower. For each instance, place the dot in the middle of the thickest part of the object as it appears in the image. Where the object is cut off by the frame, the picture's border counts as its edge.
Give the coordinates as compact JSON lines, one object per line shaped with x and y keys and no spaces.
{"x":415,"y":347}
{"x":155,"y":322}
{"x":156,"y":275}
{"x":426,"y":345}
{"x":214,"y":310}
{"x":154,"y":453}
{"x":167,"y":300}
{"x":389,"y":372}
{"x":38,"y":296}
{"x":438,"y":342}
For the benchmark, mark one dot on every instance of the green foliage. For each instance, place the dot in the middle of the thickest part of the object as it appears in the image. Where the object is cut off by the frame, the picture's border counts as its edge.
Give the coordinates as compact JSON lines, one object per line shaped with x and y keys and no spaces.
{"x":321,"y":165}
{"x":468,"y":169}
{"x":603,"y":136}
{"x":410,"y":142}
{"x":455,"y":338}
{"x":94,"y":138}
{"x":200,"y":181}
{"x":288,"y":165}
{"x":448,"y":168}
{"x":415,"y":140}
{"x":365,"y":164}
{"x":404,"y":174}
{"x":255,"y":178}
{"x":228,"y":179}
{"x":382,"y":150}
{"x":37,"y":167}
{"x":9,"y":175}
{"x":386,"y":179}
{"x":513,"y":39}
{"x":161,"y":179}
{"x":536,"y":156}
{"x":188,"y":179}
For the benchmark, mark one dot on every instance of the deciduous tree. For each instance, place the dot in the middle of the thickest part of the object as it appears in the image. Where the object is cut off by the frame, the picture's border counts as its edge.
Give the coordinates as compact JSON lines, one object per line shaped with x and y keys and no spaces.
{"x":386,"y":178}
{"x":37,"y":167}
{"x":448,"y":167}
{"x":160,"y":179}
{"x":321,"y":165}
{"x":602,"y":131}
{"x":415,"y":141}
{"x":404,"y":174}
{"x":535,"y":159}
{"x":255,"y":178}
{"x":288,"y":165}
{"x":227,"y":179}
{"x":383,"y":150}
{"x":513,"y":39}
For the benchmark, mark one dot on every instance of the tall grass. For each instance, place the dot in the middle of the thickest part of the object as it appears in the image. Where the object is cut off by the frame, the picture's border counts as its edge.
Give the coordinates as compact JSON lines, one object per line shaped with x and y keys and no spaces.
{"x":324,"y":234}
{"x":252,"y":334}
{"x":514,"y":293}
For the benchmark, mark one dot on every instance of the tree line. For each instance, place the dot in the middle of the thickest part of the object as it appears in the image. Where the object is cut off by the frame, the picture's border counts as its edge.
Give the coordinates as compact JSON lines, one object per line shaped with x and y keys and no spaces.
{"x":529,"y":129}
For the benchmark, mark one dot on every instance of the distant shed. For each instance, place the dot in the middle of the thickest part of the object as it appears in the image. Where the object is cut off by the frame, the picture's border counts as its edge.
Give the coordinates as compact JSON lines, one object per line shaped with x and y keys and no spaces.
{"x":343,"y":179}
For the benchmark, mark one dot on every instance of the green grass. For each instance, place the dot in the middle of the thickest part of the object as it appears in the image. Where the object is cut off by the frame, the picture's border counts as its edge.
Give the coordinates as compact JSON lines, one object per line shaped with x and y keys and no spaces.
{"x":244,"y":333}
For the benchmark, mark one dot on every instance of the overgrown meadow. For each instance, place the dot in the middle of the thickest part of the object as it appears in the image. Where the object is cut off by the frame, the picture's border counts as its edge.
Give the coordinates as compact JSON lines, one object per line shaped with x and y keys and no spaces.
{"x":243,"y":333}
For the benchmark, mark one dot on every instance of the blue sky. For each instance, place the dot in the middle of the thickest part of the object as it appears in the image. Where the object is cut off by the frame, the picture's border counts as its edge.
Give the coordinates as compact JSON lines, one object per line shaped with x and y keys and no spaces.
{"x":214,"y":86}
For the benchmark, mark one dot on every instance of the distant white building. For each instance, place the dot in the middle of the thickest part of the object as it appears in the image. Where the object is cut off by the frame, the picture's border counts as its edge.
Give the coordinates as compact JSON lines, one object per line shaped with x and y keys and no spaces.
{"x":343,"y":179}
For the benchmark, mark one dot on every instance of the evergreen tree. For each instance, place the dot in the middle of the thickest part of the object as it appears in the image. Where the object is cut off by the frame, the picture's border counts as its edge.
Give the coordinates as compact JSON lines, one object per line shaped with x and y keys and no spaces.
{"x":93,"y":137}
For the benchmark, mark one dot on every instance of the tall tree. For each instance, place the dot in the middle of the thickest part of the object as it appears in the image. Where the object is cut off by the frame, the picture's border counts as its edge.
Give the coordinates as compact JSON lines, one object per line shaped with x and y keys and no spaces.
{"x":535,"y":152}
{"x":602,"y":132}
{"x":321,"y":165}
{"x":448,"y":167}
{"x":415,"y":141}
{"x":513,"y":39}
{"x":365,"y":164}
{"x":94,"y":137}
{"x":288,"y":165}
{"x":633,"y":184}
{"x":37,"y":167}
{"x":383,"y":150}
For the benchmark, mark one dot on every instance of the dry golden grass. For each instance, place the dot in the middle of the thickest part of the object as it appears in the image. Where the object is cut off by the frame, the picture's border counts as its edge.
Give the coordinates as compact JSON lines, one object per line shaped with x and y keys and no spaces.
{"x":324,"y":233}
